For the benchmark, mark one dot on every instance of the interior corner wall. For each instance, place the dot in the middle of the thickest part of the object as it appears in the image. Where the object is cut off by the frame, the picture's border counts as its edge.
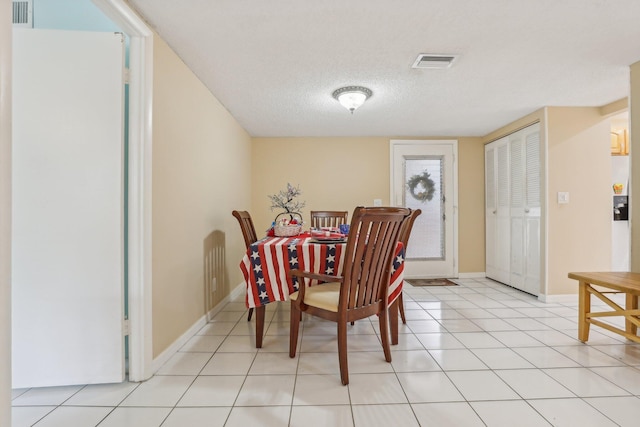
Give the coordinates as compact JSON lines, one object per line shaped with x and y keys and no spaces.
{"x":579,"y":162}
{"x":201,"y":172}
{"x":634,"y":133}
{"x":354,"y":174}
{"x":471,"y":211}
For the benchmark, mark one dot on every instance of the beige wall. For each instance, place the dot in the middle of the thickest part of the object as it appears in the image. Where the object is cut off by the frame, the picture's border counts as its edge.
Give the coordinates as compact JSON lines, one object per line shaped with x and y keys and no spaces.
{"x":333,"y":173}
{"x":579,"y":162}
{"x":5,"y":216}
{"x":634,"y":198}
{"x":342,"y":173}
{"x":201,"y":172}
{"x":471,"y":243}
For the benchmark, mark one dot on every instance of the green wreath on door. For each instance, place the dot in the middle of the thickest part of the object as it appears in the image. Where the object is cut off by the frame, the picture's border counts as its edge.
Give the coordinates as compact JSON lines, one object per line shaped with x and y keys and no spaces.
{"x":421,"y":187}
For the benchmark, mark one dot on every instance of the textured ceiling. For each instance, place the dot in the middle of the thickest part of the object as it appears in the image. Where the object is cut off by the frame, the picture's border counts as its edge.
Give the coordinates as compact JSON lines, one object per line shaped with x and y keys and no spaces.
{"x":274,"y":64}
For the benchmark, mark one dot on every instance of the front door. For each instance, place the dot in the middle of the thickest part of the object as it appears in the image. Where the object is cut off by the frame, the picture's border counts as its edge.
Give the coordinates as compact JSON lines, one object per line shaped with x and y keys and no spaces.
{"x":423,"y":176}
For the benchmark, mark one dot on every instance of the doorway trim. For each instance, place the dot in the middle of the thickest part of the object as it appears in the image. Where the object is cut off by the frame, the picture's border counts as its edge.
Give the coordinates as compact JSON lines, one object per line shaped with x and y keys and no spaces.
{"x":139,"y":198}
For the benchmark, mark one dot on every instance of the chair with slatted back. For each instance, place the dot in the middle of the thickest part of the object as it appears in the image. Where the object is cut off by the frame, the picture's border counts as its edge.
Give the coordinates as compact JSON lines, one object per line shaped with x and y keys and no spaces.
{"x":405,"y":233}
{"x":362,"y":289}
{"x":328,"y":218}
{"x":249,"y":234}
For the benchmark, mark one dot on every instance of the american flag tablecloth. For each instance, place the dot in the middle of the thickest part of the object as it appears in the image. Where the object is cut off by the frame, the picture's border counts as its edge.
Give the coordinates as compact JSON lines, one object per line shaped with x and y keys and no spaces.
{"x":267,"y":263}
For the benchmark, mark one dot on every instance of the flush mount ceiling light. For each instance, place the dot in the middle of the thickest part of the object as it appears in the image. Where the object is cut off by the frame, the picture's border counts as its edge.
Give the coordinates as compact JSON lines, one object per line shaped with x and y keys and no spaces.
{"x":352,"y":97}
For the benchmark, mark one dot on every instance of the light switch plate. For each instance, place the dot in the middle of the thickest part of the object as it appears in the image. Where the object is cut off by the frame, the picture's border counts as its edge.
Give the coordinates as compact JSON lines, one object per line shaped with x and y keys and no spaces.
{"x":377,"y":202}
{"x":563,"y":197}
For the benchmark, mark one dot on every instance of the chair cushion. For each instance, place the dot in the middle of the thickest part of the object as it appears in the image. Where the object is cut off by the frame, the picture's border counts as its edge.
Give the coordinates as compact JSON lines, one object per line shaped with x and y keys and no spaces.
{"x":324,"y":296}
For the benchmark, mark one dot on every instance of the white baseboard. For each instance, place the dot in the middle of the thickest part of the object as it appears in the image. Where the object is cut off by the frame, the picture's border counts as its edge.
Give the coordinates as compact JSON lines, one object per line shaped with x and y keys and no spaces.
{"x":238,"y":291}
{"x":157,"y":363}
{"x":560,"y":298}
{"x":235,"y":292}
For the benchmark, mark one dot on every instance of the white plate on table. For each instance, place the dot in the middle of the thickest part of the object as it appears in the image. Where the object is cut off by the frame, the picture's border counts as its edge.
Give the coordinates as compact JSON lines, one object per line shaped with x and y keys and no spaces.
{"x":328,"y":240}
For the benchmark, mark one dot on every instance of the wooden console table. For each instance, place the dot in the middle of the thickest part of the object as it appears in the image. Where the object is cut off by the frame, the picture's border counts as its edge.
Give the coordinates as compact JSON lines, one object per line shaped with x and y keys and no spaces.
{"x":618,"y":282}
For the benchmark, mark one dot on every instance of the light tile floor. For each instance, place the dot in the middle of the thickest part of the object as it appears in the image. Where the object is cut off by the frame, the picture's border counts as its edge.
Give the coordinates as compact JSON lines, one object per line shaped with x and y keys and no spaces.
{"x":476,"y":354}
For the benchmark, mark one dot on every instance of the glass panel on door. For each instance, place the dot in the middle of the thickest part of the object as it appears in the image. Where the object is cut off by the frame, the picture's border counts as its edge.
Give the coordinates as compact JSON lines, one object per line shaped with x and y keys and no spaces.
{"x":423,"y":190}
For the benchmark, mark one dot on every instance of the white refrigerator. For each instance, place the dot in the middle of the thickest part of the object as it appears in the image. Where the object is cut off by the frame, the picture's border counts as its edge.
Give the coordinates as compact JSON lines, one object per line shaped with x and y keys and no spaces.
{"x":620,"y":233}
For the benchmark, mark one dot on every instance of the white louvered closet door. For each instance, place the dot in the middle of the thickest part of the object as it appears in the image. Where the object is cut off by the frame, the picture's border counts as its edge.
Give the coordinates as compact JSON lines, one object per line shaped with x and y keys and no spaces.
{"x":532,"y":214}
{"x":524,"y":200}
{"x":512,"y":174}
{"x":502,"y":212}
{"x":490,"y":209}
{"x":517,"y":210}
{"x":497,"y":210}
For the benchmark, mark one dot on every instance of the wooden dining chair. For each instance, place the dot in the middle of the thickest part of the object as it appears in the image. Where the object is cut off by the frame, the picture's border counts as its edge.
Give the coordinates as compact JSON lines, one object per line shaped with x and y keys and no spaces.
{"x":328,"y":218}
{"x":405,"y":233}
{"x":362,"y":289}
{"x":249,"y":235}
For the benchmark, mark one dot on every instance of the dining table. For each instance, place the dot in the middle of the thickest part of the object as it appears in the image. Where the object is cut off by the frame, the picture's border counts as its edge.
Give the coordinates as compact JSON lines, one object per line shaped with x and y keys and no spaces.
{"x":266,"y":265}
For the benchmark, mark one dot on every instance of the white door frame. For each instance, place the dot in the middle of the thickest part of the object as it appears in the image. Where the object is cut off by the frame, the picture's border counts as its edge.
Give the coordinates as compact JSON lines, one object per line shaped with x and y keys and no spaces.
{"x":139,"y":216}
{"x":5,"y":214}
{"x":454,"y":144}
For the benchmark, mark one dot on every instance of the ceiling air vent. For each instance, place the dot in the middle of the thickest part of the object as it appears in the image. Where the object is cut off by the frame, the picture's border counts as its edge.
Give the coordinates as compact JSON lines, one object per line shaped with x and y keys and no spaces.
{"x":427,"y":60}
{"x":23,"y":13}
